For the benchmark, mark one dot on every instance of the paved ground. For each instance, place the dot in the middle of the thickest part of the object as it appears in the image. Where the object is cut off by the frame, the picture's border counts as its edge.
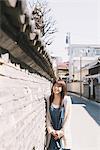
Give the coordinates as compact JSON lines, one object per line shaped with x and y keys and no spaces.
{"x":85,"y":124}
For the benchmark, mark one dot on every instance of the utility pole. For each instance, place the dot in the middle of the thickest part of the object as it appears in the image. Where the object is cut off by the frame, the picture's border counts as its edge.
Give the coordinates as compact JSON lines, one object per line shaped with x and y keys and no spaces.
{"x":81,"y":56}
{"x":68,"y":47}
{"x":80,"y":75}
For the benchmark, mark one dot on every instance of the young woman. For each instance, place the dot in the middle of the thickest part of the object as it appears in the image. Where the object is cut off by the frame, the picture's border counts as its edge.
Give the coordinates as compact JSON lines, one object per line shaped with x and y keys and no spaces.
{"x":58,"y":118}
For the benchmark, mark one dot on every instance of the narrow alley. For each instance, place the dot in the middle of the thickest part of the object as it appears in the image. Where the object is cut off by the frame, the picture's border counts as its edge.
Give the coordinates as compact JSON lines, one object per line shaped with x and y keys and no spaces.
{"x":28,"y":67}
{"x":85,"y":124}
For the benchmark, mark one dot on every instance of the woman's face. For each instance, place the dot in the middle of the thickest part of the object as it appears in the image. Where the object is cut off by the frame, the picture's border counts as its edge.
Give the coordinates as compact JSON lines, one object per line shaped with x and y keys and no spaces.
{"x":57,"y":88}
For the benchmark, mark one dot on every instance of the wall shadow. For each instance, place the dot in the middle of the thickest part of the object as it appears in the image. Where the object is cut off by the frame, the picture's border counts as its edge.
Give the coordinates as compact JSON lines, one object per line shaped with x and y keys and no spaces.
{"x":92,"y":109}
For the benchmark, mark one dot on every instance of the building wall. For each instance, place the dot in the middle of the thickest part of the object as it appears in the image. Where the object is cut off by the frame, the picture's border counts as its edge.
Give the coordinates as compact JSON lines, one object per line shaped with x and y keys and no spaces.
{"x":83,"y":73}
{"x":22,"y":109}
{"x":86,"y":91}
{"x":62,"y":73}
{"x":97,"y":89}
{"x":81,"y":55}
{"x":75,"y":88}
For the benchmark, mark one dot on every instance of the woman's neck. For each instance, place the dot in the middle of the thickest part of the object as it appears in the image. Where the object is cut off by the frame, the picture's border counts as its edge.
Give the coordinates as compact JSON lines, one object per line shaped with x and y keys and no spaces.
{"x":57,"y":99}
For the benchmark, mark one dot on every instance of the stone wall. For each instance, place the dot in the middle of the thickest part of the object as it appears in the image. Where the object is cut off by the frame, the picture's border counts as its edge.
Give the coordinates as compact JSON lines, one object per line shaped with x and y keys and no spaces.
{"x":22,"y":108}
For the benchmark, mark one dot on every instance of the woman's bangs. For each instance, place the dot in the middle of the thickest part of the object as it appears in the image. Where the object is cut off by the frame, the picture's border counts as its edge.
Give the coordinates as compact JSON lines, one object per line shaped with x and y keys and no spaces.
{"x":59,"y":84}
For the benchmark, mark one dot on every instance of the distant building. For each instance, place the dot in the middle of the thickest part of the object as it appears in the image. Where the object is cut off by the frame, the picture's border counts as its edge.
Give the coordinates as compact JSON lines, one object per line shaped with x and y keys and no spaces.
{"x":80,"y":56}
{"x":93,"y":80}
{"x":93,"y":71}
{"x":63,"y":70}
{"x":59,"y":66}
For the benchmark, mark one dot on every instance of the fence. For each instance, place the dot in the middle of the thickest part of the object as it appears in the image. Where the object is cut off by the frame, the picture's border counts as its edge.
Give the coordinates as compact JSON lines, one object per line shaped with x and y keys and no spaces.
{"x":22,"y":108}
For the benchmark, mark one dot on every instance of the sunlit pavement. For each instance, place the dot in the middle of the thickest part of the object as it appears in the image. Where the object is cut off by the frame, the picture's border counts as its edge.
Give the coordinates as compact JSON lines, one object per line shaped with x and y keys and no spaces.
{"x":85,"y":124}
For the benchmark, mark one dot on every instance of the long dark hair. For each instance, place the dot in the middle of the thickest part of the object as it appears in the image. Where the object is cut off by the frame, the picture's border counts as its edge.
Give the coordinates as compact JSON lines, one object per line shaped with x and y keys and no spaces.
{"x":62,"y":93}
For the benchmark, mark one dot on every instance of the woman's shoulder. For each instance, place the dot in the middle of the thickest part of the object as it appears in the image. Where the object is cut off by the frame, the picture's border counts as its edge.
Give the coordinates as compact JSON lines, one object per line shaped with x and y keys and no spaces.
{"x":67,"y":99}
{"x":47,"y":99}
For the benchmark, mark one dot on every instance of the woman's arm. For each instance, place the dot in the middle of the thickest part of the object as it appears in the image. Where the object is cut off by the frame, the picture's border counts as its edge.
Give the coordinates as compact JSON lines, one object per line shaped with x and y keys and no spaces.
{"x":49,"y":126}
{"x":67,"y":118}
{"x":48,"y":120}
{"x":68,"y":110}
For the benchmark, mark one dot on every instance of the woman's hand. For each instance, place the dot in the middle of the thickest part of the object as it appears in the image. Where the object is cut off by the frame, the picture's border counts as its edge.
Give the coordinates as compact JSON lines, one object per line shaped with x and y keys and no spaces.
{"x":60,"y":133}
{"x":55,"y":134}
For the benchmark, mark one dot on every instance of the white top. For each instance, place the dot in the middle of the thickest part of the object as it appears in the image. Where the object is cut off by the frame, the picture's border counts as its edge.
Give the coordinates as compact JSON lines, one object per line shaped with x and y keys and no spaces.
{"x":55,"y":105}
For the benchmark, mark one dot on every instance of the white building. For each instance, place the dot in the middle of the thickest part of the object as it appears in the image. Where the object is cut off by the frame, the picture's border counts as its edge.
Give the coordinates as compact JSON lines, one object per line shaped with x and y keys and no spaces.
{"x":80,"y":56}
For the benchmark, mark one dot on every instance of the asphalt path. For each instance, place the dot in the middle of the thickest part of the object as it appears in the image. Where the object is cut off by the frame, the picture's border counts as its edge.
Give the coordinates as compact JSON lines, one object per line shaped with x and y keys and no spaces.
{"x":85,"y":124}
